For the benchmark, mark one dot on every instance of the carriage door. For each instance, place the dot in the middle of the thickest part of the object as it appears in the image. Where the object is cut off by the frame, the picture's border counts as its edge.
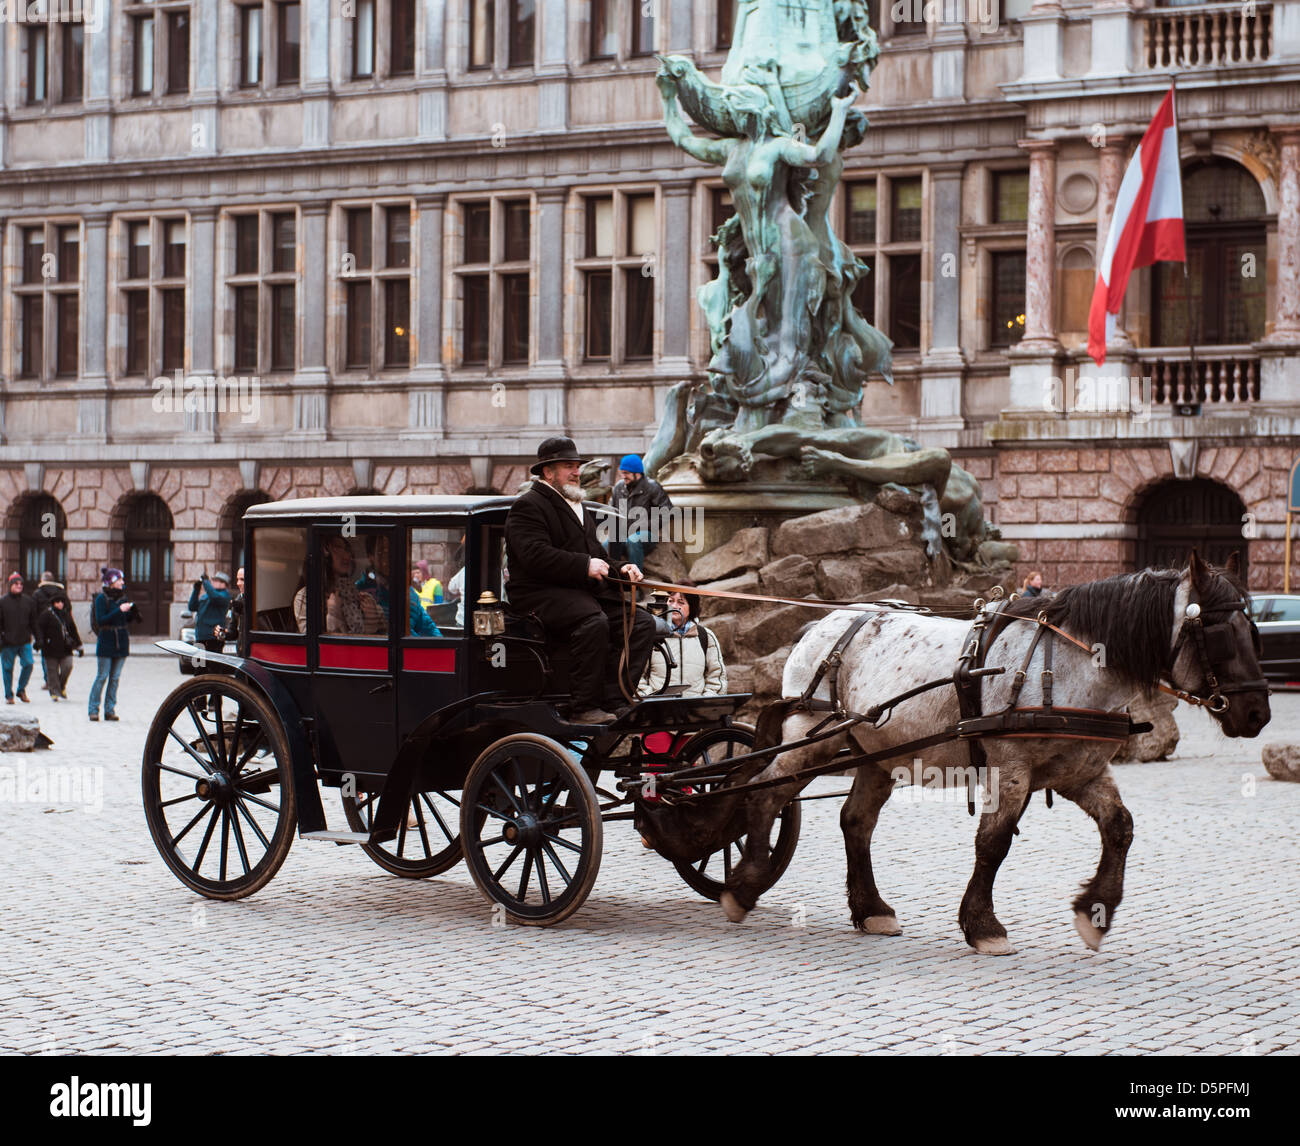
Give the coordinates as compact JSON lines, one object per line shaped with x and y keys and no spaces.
{"x":149,"y":561}
{"x":352,"y":597}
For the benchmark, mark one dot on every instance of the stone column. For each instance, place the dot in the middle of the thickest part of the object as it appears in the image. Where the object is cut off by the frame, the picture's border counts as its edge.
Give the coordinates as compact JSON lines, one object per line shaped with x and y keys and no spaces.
{"x":316,"y":28}
{"x":552,"y":67}
{"x":310,"y":413}
{"x":547,"y":402}
{"x":92,"y":404}
{"x":1280,"y":364}
{"x":204,"y":37}
{"x":1114,"y":24}
{"x":427,"y":377}
{"x":1040,"y":248}
{"x":1043,"y":25}
{"x":941,"y":368}
{"x":432,"y":109}
{"x":203,"y":272}
{"x":1110,"y":172}
{"x":98,"y":63}
{"x":673,"y":271}
{"x":680,"y":18}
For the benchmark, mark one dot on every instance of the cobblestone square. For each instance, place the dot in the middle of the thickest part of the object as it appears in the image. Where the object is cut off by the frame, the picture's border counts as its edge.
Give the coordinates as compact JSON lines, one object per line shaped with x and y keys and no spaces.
{"x":103,"y":951}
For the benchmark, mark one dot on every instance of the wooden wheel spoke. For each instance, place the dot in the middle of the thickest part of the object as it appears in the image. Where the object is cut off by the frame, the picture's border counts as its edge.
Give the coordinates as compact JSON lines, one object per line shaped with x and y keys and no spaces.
{"x":203,"y":733}
{"x":419,"y":822}
{"x":446,"y":831}
{"x":239,"y":843}
{"x":493,"y":812}
{"x":562,"y":842}
{"x":185,"y":830}
{"x":221,"y":731}
{"x":186,"y":745}
{"x":169,"y":768}
{"x":207,"y":838}
{"x":255,"y":778}
{"x":234,"y":737}
{"x":252,"y":823}
{"x":528,"y":870}
{"x":496,"y":875}
{"x":179,"y":800}
{"x":564,"y":872}
{"x":541,"y":876}
{"x":259,"y":801}
{"x":225,"y":842}
{"x":252,"y":747}
{"x":496,"y":779}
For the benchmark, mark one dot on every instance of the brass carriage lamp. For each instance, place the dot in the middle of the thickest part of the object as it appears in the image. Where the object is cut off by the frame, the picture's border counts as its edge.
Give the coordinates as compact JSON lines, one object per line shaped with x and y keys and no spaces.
{"x":659,"y":603}
{"x":489,"y":616}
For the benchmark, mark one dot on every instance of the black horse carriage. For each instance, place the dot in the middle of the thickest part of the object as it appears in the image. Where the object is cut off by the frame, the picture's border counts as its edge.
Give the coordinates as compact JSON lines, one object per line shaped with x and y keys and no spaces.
{"x":441,"y":728}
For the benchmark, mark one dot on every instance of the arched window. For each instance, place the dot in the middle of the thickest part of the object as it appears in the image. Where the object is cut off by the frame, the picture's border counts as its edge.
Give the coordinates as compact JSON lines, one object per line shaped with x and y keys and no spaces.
{"x":1221,"y":300}
{"x":233,"y":544}
{"x":149,"y":560}
{"x":40,"y":539}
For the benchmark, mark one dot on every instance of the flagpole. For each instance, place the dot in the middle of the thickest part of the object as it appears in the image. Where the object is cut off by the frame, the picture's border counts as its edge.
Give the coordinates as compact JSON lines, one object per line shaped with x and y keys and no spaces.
{"x":1187,"y":278}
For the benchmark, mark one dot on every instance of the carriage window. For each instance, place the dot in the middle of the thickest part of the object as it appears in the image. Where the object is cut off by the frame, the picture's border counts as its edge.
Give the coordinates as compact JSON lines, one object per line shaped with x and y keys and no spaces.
{"x":436,"y":582}
{"x":278,"y":563}
{"x":356,"y":589}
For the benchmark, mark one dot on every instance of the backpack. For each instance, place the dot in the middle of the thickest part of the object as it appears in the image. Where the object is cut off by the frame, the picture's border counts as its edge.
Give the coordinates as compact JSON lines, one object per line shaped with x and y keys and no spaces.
{"x":94,"y":623}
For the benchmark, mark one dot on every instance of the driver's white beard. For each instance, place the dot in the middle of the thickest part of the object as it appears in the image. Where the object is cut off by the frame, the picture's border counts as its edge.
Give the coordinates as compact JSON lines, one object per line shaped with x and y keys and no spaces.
{"x":572,"y":492}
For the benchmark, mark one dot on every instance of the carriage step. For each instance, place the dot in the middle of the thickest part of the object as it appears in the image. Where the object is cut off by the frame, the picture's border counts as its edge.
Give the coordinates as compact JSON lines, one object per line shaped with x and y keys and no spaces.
{"x":338,"y":837}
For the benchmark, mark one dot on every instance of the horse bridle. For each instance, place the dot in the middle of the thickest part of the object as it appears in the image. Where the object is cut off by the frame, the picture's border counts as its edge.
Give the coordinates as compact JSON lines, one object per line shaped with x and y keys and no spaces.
{"x":1215,"y":645}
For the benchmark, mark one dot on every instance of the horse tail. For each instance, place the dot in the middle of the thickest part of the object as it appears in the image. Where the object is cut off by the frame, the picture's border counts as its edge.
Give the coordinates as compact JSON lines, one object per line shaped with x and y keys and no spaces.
{"x":771,"y":722}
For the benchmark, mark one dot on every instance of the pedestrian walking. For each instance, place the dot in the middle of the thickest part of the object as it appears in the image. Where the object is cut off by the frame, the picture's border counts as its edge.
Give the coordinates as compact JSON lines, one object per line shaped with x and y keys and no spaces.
{"x":17,"y":628}
{"x":1033,"y":586}
{"x":59,"y":640}
{"x":112,"y":613}
{"x":46,"y":590}
{"x":210,"y":610}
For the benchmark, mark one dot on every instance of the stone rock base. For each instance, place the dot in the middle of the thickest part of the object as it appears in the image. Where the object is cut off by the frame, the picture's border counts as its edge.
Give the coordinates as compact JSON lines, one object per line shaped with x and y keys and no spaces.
{"x":1160,"y":742}
{"x":1283,"y":761}
{"x":22,"y":734}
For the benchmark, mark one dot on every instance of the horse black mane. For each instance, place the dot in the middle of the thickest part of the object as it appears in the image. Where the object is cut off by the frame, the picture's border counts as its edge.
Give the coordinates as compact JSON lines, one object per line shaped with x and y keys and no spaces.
{"x":1130,"y":615}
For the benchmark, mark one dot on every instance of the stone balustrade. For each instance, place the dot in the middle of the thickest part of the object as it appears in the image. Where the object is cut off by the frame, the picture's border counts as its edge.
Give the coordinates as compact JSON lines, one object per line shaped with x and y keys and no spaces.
{"x":1223,"y":377}
{"x":1208,"y":36}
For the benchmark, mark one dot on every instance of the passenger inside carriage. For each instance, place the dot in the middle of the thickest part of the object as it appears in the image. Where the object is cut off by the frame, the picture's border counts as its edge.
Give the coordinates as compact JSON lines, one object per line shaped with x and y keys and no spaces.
{"x":349,"y":610}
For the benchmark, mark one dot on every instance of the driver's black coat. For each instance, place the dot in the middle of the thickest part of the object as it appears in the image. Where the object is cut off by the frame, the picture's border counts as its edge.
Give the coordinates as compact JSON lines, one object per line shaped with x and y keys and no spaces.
{"x":547,"y":547}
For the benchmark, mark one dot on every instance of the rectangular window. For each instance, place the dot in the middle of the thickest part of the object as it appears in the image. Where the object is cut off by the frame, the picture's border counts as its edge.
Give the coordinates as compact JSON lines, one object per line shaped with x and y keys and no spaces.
{"x":250,"y":42}
{"x":398,"y":238}
{"x":721,"y":207}
{"x":358,"y":227}
{"x":639,"y":289}
{"x":358,"y":325}
{"x":478,"y":233}
{"x":1010,"y":196}
{"x":726,"y":23}
{"x":522,"y":33}
{"x":514,"y":317}
{"x":476,"y":318}
{"x":37,"y":63}
{"x":283,"y":327}
{"x":142,"y":55}
{"x":246,"y":328}
{"x":288,"y":66}
{"x":69,"y":254}
{"x":482,"y":33}
{"x":864,"y":294}
{"x":33,"y":255}
{"x":599,"y":311}
{"x":643,"y":28}
{"x":905,"y":301}
{"x":174,"y":248}
{"x":284,"y":254}
{"x":137,"y":251}
{"x":363,"y":40}
{"x":516,"y":218}
{"x":74,"y":62}
{"x":33,"y":336}
{"x":861,"y":200}
{"x":905,"y":222}
{"x":246,"y":234}
{"x":604,"y":30}
{"x":67,"y":331}
{"x":1008,"y":309}
{"x":641,"y":237}
{"x":600,"y":228}
{"x":173,"y":330}
{"x":178,"y":51}
{"x":137,"y":331}
{"x":397,"y":328}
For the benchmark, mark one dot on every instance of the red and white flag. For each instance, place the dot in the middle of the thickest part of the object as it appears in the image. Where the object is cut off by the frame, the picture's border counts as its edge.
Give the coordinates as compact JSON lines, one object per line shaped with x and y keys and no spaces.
{"x":1147,"y":224}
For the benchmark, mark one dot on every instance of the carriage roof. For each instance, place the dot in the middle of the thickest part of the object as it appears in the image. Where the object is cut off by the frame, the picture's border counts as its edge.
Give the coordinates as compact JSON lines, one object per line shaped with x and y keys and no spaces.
{"x":404,"y":505}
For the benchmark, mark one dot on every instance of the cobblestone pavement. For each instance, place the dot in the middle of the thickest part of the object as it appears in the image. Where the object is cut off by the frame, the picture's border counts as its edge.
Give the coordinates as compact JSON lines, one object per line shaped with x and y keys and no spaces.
{"x":103,"y":951}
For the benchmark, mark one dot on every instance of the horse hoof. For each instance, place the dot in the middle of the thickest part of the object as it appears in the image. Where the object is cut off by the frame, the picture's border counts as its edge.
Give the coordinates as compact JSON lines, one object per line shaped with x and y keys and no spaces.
{"x":731,"y":905}
{"x":1090,"y":934}
{"x":881,"y":925}
{"x":999,"y":945}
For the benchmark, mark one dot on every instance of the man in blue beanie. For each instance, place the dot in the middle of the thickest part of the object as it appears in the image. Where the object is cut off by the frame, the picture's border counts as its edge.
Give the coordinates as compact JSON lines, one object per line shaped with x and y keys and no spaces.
{"x":637,"y":497}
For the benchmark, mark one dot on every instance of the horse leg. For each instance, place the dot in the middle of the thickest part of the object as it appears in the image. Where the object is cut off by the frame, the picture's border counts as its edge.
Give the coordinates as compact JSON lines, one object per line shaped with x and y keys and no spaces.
{"x":992,"y":842}
{"x":1094,"y":908}
{"x":871,"y":788}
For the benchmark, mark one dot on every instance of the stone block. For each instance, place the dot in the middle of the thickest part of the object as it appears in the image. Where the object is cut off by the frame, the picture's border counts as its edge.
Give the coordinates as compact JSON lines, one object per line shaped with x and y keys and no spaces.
{"x":1077,"y":485}
{"x":904,"y":564}
{"x":743,"y":583}
{"x":1018,"y":462}
{"x":747,"y":549}
{"x":950,"y":598}
{"x":1058,"y":461}
{"x":849,"y":527}
{"x":725,"y":627}
{"x":1160,"y":742}
{"x":840,"y":578}
{"x":895,"y":592}
{"x":740,"y":677}
{"x":768,"y":672}
{"x":775,"y":625}
{"x":21,"y":734}
{"x":792,"y":576}
{"x":1283,"y":761}
{"x":664,"y":563}
{"x":1037,"y":485}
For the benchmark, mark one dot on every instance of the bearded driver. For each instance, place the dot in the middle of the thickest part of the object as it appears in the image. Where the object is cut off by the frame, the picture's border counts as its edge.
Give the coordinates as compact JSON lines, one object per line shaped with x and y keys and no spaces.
{"x":558,"y":571}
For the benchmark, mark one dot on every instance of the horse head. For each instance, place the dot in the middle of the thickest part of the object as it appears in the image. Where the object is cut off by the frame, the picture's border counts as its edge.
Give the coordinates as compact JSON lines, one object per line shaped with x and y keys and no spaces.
{"x":1214,"y":646}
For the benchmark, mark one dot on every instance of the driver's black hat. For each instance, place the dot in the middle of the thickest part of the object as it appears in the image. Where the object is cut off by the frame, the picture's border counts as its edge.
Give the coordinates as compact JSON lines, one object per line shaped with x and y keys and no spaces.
{"x":555,"y":450}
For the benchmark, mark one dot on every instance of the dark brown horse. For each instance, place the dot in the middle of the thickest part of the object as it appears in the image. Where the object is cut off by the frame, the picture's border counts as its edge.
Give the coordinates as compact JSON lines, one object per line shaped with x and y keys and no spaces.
{"x":1137,"y":635}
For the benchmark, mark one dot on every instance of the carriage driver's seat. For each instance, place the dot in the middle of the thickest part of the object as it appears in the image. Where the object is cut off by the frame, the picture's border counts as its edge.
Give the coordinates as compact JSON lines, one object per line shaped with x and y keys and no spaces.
{"x":528,"y":626}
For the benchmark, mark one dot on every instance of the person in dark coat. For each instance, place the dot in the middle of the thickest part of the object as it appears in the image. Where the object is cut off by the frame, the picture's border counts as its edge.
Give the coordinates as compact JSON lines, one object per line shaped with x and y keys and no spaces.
{"x":558,"y":571}
{"x":210,"y":610}
{"x":46,"y":592}
{"x":637,"y":497}
{"x":112,"y":612}
{"x":235,"y":614}
{"x":17,"y":628}
{"x":59,"y":640}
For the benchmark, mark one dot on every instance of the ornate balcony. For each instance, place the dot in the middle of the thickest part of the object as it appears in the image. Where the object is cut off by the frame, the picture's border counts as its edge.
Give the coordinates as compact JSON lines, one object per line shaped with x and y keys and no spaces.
{"x":1210,"y":35}
{"x":1220,"y":378}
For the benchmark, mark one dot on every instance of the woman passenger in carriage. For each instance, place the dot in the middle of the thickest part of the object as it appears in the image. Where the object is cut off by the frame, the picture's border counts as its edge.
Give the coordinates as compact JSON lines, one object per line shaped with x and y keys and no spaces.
{"x":348,"y":610}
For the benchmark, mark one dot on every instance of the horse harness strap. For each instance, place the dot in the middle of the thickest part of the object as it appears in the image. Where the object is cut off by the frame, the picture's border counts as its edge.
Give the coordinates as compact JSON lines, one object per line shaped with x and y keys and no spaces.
{"x":829,"y":670}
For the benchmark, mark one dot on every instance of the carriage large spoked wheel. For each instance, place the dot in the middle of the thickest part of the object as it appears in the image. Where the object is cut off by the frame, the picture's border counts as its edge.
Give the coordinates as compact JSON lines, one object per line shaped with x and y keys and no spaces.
{"x":709,"y":875}
{"x":428,"y":840}
{"x":530,"y":822}
{"x":218,"y":796}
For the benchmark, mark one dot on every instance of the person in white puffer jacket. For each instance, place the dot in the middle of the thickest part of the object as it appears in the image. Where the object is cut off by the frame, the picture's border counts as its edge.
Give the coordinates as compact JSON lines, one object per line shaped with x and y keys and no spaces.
{"x":699,"y":668}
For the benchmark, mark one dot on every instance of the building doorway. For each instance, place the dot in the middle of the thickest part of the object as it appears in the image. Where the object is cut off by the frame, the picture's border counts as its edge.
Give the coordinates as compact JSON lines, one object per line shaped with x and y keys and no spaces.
{"x":149,"y":561}
{"x":1176,"y":517}
{"x":41,"y":545}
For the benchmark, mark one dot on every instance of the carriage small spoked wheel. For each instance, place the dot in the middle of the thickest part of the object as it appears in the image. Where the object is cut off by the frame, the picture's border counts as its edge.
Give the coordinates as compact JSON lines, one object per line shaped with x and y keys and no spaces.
{"x":530,"y":822}
{"x":709,"y":876}
{"x":428,"y":839}
{"x":218,"y":796}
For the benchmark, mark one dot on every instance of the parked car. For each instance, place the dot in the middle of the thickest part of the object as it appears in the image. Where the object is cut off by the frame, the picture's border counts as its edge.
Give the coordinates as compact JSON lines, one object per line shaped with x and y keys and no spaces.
{"x":186,"y":664}
{"x":1277,"y":616}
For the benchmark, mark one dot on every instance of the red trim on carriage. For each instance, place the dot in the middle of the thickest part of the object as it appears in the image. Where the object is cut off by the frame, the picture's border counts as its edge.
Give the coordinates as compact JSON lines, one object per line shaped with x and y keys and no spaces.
{"x":429,"y":660}
{"x":372,"y":658}
{"x":293,"y":655}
